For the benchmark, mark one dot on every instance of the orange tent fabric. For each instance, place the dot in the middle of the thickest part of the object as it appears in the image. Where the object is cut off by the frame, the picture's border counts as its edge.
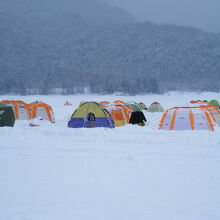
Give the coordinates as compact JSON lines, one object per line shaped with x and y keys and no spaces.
{"x":119,"y":112}
{"x":187,"y":118}
{"x":214,"y":112}
{"x":127,"y":111}
{"x":119,"y":102}
{"x":43,"y":110}
{"x":104,"y":103}
{"x":118,"y":115}
{"x":20,"y":108}
{"x":197,"y":101}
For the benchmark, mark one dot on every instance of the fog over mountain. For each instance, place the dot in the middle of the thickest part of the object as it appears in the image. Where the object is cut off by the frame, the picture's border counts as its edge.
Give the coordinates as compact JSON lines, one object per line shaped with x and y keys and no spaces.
{"x":203,"y":14}
{"x":78,"y":44}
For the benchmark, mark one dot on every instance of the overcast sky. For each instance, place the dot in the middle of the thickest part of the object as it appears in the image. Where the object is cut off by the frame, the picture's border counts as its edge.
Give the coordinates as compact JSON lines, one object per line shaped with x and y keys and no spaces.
{"x":204,"y":14}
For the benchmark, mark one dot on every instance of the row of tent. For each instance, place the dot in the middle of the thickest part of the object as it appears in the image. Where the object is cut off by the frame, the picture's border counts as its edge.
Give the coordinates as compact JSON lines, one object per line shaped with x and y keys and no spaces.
{"x":11,"y":110}
{"x":107,"y":114}
{"x":154,"y":107}
{"x":198,"y":115}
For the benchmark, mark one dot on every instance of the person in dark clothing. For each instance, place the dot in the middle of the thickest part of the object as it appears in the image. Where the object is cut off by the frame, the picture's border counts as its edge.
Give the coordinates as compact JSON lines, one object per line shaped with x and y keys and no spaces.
{"x":89,"y":120}
{"x":90,"y":116}
{"x":137,"y":118}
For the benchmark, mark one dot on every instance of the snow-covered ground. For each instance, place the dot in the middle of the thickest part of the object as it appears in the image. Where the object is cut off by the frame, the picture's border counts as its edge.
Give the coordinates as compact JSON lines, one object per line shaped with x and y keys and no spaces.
{"x":52,"y":172}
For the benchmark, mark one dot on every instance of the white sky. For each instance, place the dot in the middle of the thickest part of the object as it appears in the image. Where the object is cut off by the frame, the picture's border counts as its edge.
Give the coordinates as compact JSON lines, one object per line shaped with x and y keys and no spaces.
{"x":204,"y":14}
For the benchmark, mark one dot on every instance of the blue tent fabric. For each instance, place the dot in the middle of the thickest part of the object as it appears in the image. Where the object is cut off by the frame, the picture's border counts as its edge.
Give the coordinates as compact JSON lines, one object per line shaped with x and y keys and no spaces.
{"x":83,"y":123}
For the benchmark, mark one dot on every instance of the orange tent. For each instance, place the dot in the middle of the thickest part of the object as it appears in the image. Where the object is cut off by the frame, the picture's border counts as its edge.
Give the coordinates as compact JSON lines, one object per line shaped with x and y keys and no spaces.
{"x":127,"y":110}
{"x":20,"y":108}
{"x":119,"y":102}
{"x":197,"y":101}
{"x":214,"y":112}
{"x":104,"y":103}
{"x":42,"y":110}
{"x":187,"y":118}
{"x":119,"y":112}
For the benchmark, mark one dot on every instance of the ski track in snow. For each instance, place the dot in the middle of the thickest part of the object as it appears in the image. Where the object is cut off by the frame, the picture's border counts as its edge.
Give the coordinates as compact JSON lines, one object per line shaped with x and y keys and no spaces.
{"x":52,"y":172}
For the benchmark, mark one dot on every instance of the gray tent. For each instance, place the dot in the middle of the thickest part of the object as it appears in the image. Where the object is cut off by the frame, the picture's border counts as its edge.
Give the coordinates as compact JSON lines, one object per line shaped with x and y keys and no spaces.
{"x":155,"y":107}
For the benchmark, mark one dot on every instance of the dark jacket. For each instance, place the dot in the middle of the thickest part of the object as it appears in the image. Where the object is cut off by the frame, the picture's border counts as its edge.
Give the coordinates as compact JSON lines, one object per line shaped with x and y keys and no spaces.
{"x":137,"y":117}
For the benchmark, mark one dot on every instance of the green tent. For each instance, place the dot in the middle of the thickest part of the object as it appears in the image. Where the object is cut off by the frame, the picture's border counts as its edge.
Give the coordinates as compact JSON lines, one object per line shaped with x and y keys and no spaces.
{"x":7,"y":117}
{"x":214,"y":102}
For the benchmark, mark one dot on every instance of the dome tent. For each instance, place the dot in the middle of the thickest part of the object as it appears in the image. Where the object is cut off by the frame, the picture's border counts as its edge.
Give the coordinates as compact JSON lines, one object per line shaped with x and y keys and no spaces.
{"x":213,"y":110}
{"x":90,"y":115}
{"x":119,"y":112}
{"x":155,"y":107}
{"x":187,"y":118}
{"x":214,"y":103}
{"x":134,"y":105}
{"x":41,"y":110}
{"x":20,"y":108}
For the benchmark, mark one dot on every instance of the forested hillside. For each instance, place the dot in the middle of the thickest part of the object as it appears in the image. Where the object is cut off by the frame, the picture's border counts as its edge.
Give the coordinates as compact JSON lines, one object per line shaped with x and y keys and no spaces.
{"x":170,"y":57}
{"x":78,"y":44}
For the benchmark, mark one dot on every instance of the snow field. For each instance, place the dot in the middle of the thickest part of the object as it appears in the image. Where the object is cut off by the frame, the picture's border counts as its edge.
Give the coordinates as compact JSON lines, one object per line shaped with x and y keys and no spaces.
{"x":52,"y":172}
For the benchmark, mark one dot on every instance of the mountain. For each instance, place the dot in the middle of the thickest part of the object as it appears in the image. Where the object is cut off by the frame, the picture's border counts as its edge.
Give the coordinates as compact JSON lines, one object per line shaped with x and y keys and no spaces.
{"x":77,"y":44}
{"x":176,"y":57}
{"x":32,"y":34}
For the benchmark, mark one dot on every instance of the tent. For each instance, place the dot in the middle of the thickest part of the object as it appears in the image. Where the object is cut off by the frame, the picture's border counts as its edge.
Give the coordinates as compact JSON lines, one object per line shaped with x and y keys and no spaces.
{"x":90,"y":115}
{"x":131,"y":102}
{"x":82,"y":102}
{"x":198,"y":103}
{"x":119,"y":102}
{"x":142,"y":106}
{"x":155,"y":107}
{"x":105,"y":103}
{"x":214,"y":103}
{"x":134,"y":106}
{"x":20,"y":109}
{"x":127,"y":111}
{"x":124,"y":113}
{"x":118,"y":115}
{"x":187,"y":118}
{"x":119,"y":112}
{"x":7,"y":117}
{"x":41,"y":110}
{"x":214,"y":112}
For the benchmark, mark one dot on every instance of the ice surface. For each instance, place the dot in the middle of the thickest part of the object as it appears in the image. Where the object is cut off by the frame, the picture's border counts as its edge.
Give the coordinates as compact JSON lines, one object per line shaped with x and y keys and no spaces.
{"x":52,"y":172}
